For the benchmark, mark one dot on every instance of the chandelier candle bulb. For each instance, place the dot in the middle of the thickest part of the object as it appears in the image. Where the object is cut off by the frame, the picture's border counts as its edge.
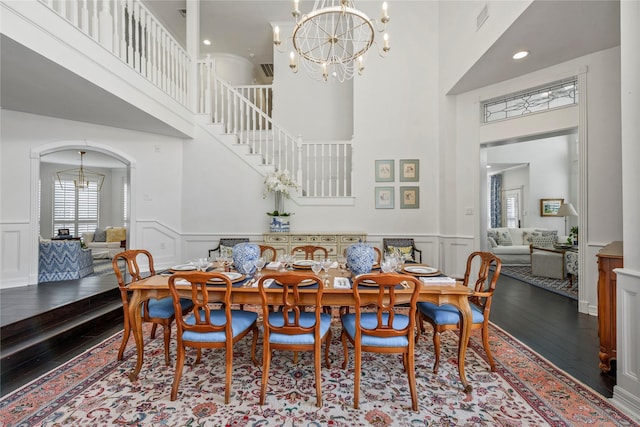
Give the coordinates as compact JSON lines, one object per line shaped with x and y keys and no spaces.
{"x":276,"y":35}
{"x":292,"y":61}
{"x":385,"y":14}
{"x":296,"y":11}
{"x":386,"y":43}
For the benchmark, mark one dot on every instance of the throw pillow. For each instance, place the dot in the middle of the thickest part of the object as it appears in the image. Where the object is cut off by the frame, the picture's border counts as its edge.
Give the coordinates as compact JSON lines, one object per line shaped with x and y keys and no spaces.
{"x":100,"y":235}
{"x":405,"y":251}
{"x":553,"y":233}
{"x":492,"y":242}
{"x":226,"y":251}
{"x":528,"y":236}
{"x":504,"y":238}
{"x":544,"y":241}
{"x":116,"y":234}
{"x":493,"y":234}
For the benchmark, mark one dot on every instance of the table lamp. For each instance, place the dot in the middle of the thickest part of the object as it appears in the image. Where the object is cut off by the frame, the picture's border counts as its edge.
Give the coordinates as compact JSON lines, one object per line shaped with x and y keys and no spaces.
{"x":566,"y":209}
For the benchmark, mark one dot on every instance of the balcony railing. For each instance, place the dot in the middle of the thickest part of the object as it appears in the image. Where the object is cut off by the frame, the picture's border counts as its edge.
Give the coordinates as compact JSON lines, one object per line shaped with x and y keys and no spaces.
{"x":128,"y":30}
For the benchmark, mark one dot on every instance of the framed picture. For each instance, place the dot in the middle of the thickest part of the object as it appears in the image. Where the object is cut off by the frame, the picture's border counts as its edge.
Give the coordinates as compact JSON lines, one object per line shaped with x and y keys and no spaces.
{"x":409,"y":197}
{"x":63,"y":231}
{"x":549,"y":207}
{"x":410,"y":170}
{"x":384,"y":171}
{"x":385,"y":197}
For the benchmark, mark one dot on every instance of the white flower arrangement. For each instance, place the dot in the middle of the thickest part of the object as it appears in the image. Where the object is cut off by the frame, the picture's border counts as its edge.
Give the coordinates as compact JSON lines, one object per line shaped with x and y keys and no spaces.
{"x":279,"y":181}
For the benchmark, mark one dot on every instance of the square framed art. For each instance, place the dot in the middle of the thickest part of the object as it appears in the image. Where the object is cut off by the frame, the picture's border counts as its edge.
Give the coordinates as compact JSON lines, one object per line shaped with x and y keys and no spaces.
{"x":385,"y":197}
{"x":410,"y":170}
{"x":409,"y":197}
{"x":385,"y":171}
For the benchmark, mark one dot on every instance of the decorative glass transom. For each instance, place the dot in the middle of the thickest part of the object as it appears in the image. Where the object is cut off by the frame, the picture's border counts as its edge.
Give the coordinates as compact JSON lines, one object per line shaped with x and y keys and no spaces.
{"x":548,"y":97}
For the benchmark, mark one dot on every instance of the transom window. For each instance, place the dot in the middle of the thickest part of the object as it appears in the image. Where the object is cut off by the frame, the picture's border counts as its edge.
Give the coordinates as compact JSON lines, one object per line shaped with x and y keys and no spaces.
{"x":554,"y":95}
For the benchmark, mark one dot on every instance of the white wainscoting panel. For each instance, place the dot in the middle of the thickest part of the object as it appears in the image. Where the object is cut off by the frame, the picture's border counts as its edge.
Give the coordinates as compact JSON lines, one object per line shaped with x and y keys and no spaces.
{"x":14,"y":251}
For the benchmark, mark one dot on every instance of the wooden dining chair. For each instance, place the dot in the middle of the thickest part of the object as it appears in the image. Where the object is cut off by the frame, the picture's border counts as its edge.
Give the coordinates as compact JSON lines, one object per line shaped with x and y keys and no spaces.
{"x":269,"y":253}
{"x":310,"y":251}
{"x":380,"y":329}
{"x":292,"y":327}
{"x":209,"y":327}
{"x":447,"y":317}
{"x":156,"y":311}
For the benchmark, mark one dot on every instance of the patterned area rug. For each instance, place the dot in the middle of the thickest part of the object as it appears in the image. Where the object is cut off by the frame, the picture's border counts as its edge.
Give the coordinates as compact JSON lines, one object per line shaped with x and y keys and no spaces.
{"x":102,"y":267}
{"x":558,"y":286}
{"x":93,"y":389}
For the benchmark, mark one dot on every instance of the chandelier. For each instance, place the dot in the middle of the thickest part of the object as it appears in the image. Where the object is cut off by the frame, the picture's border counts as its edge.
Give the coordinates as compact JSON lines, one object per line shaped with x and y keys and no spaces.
{"x":333,"y":39}
{"x":81,"y":177}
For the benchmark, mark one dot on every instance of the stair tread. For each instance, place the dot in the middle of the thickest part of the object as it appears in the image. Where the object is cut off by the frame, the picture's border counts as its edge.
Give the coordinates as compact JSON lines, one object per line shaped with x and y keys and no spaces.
{"x":10,"y":348}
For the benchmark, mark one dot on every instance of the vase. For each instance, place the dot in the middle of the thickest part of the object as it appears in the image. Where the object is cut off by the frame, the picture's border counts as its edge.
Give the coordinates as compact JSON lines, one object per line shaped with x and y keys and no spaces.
{"x":279,"y":202}
{"x":243,"y":256}
{"x":360,"y":258}
{"x":279,"y":224}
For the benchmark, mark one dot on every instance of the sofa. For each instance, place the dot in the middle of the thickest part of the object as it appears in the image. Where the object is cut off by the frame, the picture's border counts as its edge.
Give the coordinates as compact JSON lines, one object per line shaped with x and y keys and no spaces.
{"x":106,"y":243}
{"x":63,"y":260}
{"x":512,"y":245}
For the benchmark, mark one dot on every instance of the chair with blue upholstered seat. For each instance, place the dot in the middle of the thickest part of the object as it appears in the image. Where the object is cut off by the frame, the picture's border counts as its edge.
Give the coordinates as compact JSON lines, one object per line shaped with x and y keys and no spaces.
{"x":207,"y":326}
{"x":292,"y":327}
{"x":156,"y":311}
{"x":382,"y":330}
{"x":447,"y":317}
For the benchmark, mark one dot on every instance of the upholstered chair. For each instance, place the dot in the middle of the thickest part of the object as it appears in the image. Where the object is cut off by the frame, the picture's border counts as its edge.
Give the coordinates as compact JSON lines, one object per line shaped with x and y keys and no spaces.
{"x":447,"y":317}
{"x":292,"y":327}
{"x":378,"y":328}
{"x":406,"y":247}
{"x":206,"y":326}
{"x":156,"y":311}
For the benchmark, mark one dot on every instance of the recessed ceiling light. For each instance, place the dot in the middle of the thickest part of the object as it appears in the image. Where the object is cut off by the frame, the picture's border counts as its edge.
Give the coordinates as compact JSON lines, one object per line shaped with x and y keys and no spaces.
{"x":520,"y":55}
{"x":207,"y":42}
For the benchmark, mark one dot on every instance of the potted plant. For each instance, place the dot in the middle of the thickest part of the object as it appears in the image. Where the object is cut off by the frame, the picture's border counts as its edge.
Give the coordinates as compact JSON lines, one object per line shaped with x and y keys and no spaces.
{"x":281,"y":184}
{"x":573,"y":236}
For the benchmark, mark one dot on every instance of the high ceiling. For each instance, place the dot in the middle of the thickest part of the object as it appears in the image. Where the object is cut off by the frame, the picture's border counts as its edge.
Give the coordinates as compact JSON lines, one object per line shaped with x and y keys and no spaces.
{"x":554,"y":32}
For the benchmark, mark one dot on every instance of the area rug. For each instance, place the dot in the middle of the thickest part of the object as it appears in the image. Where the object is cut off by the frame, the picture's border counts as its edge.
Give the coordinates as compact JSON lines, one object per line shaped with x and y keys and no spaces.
{"x":93,"y":390}
{"x":558,"y":286}
{"x":102,"y":267}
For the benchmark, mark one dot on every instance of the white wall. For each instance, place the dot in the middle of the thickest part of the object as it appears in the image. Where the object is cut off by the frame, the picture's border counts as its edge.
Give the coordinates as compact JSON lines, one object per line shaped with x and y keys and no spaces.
{"x":549,"y":176}
{"x":156,"y":176}
{"x":602,"y":223}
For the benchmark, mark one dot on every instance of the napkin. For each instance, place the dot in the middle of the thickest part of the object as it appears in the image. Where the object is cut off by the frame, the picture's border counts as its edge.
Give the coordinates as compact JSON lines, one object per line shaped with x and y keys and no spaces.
{"x":182,"y":282}
{"x":341,"y":283}
{"x":438,"y":280}
{"x":267,"y":283}
{"x":274,"y":265}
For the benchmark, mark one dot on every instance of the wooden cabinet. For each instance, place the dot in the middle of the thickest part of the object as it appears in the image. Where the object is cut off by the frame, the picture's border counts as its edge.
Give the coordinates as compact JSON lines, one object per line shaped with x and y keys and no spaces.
{"x":335,"y":243}
{"x":609,"y":257}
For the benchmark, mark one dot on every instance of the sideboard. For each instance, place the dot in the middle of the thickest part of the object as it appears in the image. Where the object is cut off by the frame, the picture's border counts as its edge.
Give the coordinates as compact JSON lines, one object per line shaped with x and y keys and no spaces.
{"x":334,"y":243}
{"x":609,"y":258}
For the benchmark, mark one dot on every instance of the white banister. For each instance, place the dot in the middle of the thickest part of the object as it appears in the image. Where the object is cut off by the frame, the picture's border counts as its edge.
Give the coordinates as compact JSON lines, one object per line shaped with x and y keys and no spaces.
{"x":130,"y":31}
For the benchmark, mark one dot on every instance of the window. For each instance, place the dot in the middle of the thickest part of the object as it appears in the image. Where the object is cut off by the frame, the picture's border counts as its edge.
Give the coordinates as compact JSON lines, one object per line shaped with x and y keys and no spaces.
{"x":512,"y":208}
{"x":75,"y":209}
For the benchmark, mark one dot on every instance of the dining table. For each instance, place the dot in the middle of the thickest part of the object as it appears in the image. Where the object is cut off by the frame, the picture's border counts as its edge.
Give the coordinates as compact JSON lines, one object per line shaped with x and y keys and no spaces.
{"x":245,"y":291}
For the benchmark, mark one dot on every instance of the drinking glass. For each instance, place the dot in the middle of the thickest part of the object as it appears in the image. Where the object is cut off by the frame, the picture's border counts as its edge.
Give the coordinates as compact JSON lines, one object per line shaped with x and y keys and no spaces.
{"x":326,"y":265}
{"x":248,"y":267}
{"x":386,"y":266}
{"x":316,"y":267}
{"x":201,"y":263}
{"x":342,"y":262}
{"x":259,"y":264}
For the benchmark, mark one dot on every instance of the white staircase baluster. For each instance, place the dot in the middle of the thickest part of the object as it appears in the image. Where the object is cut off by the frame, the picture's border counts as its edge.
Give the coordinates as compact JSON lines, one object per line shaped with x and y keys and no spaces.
{"x":105,"y":26}
{"x":115,"y":41}
{"x":73,"y":12}
{"x":95,"y":30}
{"x":63,"y":9}
{"x":84,"y":17}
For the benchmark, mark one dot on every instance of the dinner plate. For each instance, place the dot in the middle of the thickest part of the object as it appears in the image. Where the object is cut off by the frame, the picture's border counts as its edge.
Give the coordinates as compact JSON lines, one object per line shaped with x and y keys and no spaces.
{"x":420,"y":270}
{"x":368,"y":282}
{"x":303,"y":263}
{"x":233,"y":276}
{"x":184,"y":267}
{"x":305,"y":282}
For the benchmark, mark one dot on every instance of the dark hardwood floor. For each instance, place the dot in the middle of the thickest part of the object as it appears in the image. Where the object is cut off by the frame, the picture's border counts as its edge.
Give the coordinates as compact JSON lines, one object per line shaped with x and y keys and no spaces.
{"x":546,"y":322}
